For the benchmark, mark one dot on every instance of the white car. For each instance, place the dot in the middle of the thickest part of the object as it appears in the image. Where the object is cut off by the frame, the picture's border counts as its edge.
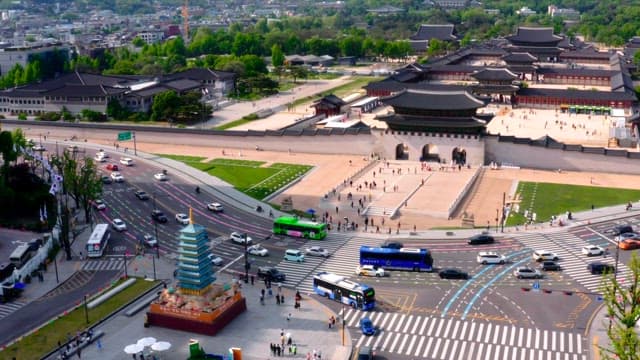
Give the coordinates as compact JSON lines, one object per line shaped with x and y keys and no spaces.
{"x":490,"y":257}
{"x":99,"y":204}
{"x":182,"y":218}
{"x":541,"y":255}
{"x":215,"y":207}
{"x":103,"y":154}
{"x":592,"y":250}
{"x":100,"y":158}
{"x":369,"y":270}
{"x":119,"y":225}
{"x":126,"y":161}
{"x":160,"y":176}
{"x":238,"y":238}
{"x":257,"y":250}
{"x":39,"y":148}
{"x":215,"y":260}
{"x":316,"y":251}
{"x":117,"y":176}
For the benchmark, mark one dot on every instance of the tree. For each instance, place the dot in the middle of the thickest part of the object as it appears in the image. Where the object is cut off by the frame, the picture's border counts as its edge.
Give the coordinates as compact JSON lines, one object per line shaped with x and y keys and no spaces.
{"x":138,"y":42}
{"x":623,"y":307}
{"x":164,"y":106}
{"x":277,"y":57}
{"x":7,"y":150}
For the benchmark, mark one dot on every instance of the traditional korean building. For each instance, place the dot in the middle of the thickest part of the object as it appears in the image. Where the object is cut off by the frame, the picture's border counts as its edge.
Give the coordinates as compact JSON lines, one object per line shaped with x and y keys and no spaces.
{"x":431,"y":125}
{"x":539,"y":42}
{"x":329,"y":105}
{"x":495,"y":82}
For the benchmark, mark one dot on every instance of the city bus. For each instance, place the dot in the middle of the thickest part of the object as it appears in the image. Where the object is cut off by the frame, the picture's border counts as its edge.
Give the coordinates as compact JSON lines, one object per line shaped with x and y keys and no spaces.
{"x":20,"y":255}
{"x":98,"y":241}
{"x":338,"y":288}
{"x":397,"y":259}
{"x":292,"y":226}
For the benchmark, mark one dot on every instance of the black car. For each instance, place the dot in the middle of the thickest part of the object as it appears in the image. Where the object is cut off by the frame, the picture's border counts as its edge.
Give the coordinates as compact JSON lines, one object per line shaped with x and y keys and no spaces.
{"x":550,"y":266}
{"x":271,"y":273}
{"x":453,"y":274}
{"x":142,"y":195}
{"x":106,"y":180}
{"x":392,"y":245}
{"x":621,"y":229}
{"x":159,"y":216}
{"x":481,"y":239}
{"x":600,"y":268}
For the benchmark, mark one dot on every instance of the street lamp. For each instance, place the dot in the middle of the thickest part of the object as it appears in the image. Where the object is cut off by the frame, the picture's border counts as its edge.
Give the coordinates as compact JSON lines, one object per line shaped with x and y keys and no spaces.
{"x":497,"y":215}
{"x":246,"y":259}
{"x":155,"y":226}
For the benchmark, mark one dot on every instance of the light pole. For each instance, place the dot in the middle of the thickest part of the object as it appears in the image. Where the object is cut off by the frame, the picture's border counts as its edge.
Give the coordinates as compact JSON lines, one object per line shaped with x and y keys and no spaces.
{"x":342,"y":324}
{"x":246,"y":259}
{"x":497,"y":214}
{"x":155,"y":226}
{"x":86,"y":309}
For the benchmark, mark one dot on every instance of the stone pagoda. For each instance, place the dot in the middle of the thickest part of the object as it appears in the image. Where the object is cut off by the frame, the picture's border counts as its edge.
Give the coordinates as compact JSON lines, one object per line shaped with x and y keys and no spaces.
{"x":195,"y":273}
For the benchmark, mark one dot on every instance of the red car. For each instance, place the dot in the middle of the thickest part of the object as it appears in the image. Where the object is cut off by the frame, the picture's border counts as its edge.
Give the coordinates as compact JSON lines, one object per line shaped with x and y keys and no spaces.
{"x":112,"y":167}
{"x":629,"y":244}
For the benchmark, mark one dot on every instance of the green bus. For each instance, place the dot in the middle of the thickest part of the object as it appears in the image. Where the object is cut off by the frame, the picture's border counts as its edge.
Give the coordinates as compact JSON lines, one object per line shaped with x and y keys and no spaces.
{"x":292,"y":226}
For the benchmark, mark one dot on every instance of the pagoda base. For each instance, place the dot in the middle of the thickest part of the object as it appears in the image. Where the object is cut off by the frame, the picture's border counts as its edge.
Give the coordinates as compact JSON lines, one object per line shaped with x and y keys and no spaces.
{"x":208,"y":323}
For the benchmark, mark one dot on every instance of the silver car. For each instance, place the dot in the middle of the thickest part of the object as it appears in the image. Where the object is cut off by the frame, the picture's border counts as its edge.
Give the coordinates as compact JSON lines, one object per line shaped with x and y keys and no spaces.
{"x":524,"y":272}
{"x":317,"y":251}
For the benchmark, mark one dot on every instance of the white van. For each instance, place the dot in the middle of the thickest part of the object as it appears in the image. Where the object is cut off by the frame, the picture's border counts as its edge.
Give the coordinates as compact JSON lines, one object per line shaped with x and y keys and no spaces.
{"x":294,"y":255}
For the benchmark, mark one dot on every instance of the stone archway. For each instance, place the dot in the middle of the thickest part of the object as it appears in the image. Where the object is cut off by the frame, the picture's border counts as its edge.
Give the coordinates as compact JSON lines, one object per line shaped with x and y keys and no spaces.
{"x":430,"y":153}
{"x":459,"y":156}
{"x":402,"y":152}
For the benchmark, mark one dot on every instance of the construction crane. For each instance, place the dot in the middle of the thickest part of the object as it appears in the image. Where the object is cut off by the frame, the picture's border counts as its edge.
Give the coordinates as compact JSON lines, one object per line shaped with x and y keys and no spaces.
{"x":185,"y":20}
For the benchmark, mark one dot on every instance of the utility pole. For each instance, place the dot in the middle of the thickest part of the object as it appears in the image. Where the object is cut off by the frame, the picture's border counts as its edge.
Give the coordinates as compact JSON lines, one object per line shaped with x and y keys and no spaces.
{"x":504,"y":204}
{"x":246,"y":259}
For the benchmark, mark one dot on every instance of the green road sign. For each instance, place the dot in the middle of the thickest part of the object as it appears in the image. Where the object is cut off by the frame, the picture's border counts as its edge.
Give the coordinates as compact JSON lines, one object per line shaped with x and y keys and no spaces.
{"x":124,"y":136}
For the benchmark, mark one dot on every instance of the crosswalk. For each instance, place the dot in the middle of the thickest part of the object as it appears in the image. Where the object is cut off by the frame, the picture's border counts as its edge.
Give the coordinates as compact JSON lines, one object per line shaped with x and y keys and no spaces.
{"x":299,"y":273}
{"x":108,"y":264}
{"x":9,"y":308}
{"x":427,"y":337}
{"x":574,"y":264}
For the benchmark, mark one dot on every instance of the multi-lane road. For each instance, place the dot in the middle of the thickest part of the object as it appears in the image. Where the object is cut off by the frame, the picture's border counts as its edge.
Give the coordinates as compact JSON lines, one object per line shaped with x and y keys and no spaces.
{"x":492,"y":315}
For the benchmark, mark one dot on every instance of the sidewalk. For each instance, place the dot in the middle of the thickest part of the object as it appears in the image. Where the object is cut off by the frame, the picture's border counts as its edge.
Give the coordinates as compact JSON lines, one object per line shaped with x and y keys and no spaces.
{"x":252,"y":331}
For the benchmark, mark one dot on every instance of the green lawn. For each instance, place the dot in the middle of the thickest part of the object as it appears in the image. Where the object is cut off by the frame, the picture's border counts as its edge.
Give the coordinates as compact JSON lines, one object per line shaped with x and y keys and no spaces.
{"x":547,"y":199}
{"x":38,"y":344}
{"x":250,"y":177}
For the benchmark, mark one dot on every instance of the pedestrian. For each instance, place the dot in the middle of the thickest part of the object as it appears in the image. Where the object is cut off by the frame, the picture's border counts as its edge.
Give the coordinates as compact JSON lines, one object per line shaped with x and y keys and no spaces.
{"x":252,"y":279}
{"x":295,"y":349}
{"x":330,"y":323}
{"x":282,"y":340}
{"x":289,"y":341}
{"x":134,"y":356}
{"x":282,"y":299}
{"x":262,"y":292}
{"x":277,"y":299}
{"x":79,"y":353}
{"x":278,"y":350}
{"x":99,"y":345}
{"x":289,"y":317}
{"x":333,"y":321}
{"x":273,"y":349}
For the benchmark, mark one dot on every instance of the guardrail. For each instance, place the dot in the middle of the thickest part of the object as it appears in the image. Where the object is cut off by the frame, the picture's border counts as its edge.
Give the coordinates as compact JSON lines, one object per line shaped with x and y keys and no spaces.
{"x":396,"y":210}
{"x":339,"y":187}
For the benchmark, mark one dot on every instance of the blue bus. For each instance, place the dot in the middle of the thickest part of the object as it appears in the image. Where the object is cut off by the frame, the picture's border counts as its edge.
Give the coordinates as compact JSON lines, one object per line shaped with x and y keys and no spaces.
{"x":397,"y":259}
{"x":338,"y":288}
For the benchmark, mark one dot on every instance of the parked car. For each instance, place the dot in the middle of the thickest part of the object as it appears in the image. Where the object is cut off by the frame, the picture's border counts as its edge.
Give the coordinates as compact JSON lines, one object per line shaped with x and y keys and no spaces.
{"x":481,"y":239}
{"x":453,"y":274}
{"x":149,"y":240}
{"x":258,"y":250}
{"x":490,"y":257}
{"x":106,"y":180}
{"x":238,"y":238}
{"x":117,"y":177}
{"x":98,"y":158}
{"x":365,"y":353}
{"x":119,"y":225}
{"x":524,"y":272}
{"x":596,"y":268}
{"x":366,"y":326}
{"x":369,"y":270}
{"x":99,"y":204}
{"x":39,"y":148}
{"x":215,"y":260}
{"x":629,"y":244}
{"x":392,"y":245}
{"x":142,"y":195}
{"x":550,"y":266}
{"x":541,"y":255}
{"x":592,"y":250}
{"x":215,"y":207}
{"x":126,"y":161}
{"x":182,"y":218}
{"x":160,"y":177}
{"x":316,"y":251}
{"x":159,"y":216}
{"x":112,"y":167}
{"x":271,"y":273}
{"x":100,"y":153}
{"x":294,"y":255}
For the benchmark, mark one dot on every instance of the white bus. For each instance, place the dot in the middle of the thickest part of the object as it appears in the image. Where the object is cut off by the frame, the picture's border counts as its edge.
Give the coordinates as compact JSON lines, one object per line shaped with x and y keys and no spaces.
{"x":98,"y":241}
{"x":20,"y":255}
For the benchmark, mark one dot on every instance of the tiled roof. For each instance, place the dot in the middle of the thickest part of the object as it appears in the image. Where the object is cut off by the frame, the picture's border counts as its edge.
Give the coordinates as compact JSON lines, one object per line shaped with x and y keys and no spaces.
{"x":494,"y":74}
{"x":433,"y":100}
{"x":201,"y":74}
{"x":520,"y":57}
{"x":424,"y":122}
{"x":183,"y":84}
{"x":576,"y":72}
{"x":534,"y":35}
{"x":442,"y":32}
{"x":84,"y":91}
{"x":585,"y":54}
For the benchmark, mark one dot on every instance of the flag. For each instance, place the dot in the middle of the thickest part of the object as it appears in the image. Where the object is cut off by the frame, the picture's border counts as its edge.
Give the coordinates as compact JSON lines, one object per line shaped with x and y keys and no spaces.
{"x":44,"y":211}
{"x":41,"y":216}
